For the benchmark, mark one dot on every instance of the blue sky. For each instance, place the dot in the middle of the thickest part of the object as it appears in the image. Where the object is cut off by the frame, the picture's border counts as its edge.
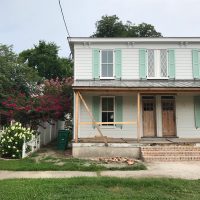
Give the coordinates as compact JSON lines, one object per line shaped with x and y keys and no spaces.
{"x":25,"y":22}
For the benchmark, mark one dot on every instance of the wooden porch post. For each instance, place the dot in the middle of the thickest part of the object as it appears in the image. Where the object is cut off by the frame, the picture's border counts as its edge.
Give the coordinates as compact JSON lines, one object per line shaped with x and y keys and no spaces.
{"x":138,"y":116}
{"x":76,"y":116}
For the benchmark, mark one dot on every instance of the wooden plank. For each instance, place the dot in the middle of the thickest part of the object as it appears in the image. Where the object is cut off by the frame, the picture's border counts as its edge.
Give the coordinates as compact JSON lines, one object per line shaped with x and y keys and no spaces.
{"x":92,"y":118}
{"x":76,"y":116}
{"x":100,"y":123}
{"x":138,"y":117}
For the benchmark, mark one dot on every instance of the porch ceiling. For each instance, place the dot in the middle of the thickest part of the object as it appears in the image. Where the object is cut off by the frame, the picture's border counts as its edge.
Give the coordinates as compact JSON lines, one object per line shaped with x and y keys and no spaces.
{"x":138,"y":85}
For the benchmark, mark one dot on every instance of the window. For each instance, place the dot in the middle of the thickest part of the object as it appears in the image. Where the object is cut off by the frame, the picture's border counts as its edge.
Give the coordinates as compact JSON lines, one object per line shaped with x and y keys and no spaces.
{"x":107,"y":64}
{"x":157,"y":63}
{"x":107,"y":107}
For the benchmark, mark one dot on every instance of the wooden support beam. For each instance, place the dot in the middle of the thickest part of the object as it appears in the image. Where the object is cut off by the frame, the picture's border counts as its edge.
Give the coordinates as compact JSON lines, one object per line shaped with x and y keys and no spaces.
{"x":93,"y":120}
{"x":76,"y":116}
{"x":138,"y":116}
{"x":100,"y":123}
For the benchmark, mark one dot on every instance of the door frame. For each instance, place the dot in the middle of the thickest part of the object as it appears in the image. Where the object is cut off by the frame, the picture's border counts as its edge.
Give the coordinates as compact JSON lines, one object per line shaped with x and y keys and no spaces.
{"x":175,"y":127}
{"x":154,"y":113}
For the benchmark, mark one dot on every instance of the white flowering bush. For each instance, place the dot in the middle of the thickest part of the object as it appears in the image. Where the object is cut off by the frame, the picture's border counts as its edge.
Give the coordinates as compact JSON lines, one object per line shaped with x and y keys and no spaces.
{"x":12,"y":140}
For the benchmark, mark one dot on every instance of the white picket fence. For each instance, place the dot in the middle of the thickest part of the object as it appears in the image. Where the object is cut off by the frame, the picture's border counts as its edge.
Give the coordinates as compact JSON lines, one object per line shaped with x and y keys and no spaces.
{"x":1,"y":132}
{"x":49,"y":131}
{"x":30,"y":146}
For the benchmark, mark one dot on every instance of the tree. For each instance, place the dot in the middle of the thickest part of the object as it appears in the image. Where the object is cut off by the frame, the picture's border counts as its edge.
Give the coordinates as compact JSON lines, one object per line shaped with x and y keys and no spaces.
{"x":15,"y":77}
{"x":111,"y":26}
{"x":52,"y":102}
{"x":44,"y":58}
{"x":142,"y":30}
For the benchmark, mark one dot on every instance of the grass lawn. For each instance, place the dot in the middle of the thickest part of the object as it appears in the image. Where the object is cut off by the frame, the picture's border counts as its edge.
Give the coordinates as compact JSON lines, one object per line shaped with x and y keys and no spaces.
{"x":100,"y":188}
{"x":66,"y":164}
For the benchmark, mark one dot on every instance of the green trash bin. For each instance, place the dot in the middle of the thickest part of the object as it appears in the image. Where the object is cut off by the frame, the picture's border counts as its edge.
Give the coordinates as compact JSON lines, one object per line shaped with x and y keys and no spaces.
{"x":63,"y":139}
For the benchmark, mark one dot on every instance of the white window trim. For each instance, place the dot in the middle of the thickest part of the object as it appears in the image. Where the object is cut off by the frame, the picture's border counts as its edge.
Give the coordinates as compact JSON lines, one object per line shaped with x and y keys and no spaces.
{"x":112,"y":77}
{"x":157,"y":69}
{"x":108,"y":126}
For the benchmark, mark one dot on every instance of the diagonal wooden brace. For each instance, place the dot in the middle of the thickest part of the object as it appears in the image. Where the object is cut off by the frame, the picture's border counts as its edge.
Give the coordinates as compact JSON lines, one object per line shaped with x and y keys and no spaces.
{"x":93,"y":120}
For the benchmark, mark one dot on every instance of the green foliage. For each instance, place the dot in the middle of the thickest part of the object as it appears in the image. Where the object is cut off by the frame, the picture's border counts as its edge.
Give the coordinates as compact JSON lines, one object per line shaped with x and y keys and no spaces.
{"x":112,"y":26}
{"x":12,"y":140}
{"x":109,"y":26}
{"x":44,"y":58}
{"x":141,"y":30}
{"x":15,"y":77}
{"x":50,"y":163}
{"x":96,"y":188}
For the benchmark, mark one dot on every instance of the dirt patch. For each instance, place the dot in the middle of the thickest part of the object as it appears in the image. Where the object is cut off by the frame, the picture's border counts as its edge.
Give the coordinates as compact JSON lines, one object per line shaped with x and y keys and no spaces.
{"x":59,"y":163}
{"x":50,"y":153}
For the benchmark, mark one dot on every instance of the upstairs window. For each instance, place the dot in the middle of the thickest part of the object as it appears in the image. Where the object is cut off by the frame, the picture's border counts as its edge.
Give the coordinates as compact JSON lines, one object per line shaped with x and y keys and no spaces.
{"x":157,"y":63}
{"x":107,"y":64}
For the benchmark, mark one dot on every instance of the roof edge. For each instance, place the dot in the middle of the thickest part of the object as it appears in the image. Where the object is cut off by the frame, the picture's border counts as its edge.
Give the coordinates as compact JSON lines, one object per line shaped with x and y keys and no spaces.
{"x":134,"y":39}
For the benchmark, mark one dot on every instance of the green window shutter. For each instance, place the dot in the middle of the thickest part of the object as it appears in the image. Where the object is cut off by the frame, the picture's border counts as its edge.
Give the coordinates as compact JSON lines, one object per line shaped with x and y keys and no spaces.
{"x":171,"y":64}
{"x":197,"y":111}
{"x":119,"y":110}
{"x":96,"y":108}
{"x":95,"y":64}
{"x":142,"y":64}
{"x":118,"y":63}
{"x":195,"y":64}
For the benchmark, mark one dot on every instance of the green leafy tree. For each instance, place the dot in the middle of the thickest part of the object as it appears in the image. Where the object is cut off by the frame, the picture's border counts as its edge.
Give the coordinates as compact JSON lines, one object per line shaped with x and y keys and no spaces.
{"x":44,"y":58}
{"x":141,"y":30}
{"x":15,"y":77}
{"x":109,"y":26}
{"x":112,"y":26}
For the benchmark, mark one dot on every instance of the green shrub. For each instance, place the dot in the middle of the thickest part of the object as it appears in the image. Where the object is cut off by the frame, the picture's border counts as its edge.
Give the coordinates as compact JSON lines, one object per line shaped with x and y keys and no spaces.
{"x":12,"y":140}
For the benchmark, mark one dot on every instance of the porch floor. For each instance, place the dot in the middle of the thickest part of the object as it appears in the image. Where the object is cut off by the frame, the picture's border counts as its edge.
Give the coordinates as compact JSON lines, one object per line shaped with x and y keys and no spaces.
{"x":142,"y":140}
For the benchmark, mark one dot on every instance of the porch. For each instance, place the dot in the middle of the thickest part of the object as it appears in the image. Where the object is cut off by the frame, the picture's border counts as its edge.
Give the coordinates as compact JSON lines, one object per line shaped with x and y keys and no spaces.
{"x":136,"y":112}
{"x":151,"y":116}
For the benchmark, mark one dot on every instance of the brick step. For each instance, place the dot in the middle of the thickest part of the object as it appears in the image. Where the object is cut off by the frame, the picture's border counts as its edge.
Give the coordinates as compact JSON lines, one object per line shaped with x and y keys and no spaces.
{"x":171,"y":153}
{"x":170,"y":148}
{"x":171,"y":158}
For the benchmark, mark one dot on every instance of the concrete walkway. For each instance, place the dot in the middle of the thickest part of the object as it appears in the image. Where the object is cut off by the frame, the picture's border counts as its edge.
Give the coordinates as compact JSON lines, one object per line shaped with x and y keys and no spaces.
{"x":184,"y":170}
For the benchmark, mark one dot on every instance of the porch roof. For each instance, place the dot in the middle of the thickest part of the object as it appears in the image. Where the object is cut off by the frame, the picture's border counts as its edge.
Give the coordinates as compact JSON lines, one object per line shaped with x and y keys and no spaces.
{"x":137,"y":84}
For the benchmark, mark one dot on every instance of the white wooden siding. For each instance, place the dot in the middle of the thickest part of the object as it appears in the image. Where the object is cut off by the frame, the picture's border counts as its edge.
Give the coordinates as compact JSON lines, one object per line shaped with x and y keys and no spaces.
{"x":183,"y":59}
{"x":185,"y":124}
{"x":129,"y":114}
{"x":83,"y":63}
{"x":185,"y":117}
{"x":130,"y":59}
{"x":130,"y":63}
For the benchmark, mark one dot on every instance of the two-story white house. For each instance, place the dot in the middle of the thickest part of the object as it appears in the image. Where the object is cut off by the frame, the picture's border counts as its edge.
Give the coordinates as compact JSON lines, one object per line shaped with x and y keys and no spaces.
{"x":135,"y":90}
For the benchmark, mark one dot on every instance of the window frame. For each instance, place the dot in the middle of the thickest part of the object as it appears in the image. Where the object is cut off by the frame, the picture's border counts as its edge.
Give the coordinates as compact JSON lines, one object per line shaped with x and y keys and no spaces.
{"x":111,"y":77}
{"x":101,"y":111}
{"x":157,"y":66}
